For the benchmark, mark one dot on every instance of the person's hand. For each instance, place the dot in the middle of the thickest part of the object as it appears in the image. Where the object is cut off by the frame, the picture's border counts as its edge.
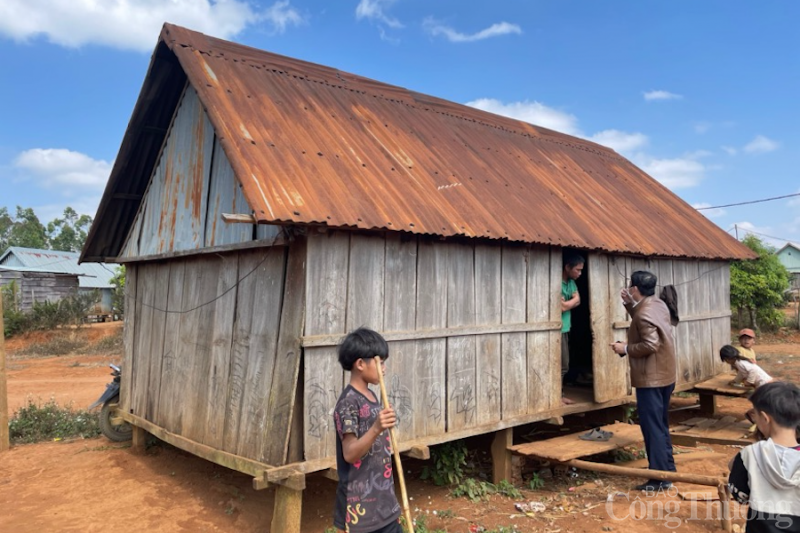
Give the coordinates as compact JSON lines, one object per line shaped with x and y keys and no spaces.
{"x":386,"y":419}
{"x":626,"y":296}
{"x":618,"y":347}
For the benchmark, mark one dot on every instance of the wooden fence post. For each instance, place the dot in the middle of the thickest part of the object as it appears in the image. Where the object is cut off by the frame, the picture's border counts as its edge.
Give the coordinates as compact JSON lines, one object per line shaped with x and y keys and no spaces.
{"x":4,"y":442}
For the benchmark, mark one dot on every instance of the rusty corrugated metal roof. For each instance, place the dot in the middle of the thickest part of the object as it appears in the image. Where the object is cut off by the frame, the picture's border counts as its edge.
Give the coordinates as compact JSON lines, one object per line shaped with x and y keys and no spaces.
{"x":314,"y":145}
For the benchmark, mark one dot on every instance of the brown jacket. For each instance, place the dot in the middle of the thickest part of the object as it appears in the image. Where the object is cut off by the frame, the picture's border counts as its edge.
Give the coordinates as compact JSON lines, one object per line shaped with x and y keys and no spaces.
{"x":651,"y":349}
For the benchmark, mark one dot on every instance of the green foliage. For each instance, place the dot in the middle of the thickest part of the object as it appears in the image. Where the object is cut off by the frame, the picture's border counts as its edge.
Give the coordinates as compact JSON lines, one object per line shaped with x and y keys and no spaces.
{"x":118,"y":295}
{"x":477,"y":490}
{"x":474,"y":490}
{"x":507,"y":489}
{"x":35,"y":423}
{"x":50,"y":315}
{"x":421,"y":525}
{"x":759,"y":285}
{"x":24,"y":229}
{"x":448,"y":462}
{"x":69,"y":233}
{"x":536,"y":482}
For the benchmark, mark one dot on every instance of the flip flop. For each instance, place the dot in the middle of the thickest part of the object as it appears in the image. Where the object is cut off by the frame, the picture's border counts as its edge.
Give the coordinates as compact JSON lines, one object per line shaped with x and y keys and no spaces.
{"x":597,"y":435}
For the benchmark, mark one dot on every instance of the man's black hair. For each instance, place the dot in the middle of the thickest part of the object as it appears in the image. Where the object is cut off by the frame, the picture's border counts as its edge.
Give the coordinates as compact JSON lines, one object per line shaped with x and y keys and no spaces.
{"x":729,"y":352}
{"x":361,"y":343}
{"x":644,"y":281}
{"x":572,"y":259}
{"x":780,"y":400}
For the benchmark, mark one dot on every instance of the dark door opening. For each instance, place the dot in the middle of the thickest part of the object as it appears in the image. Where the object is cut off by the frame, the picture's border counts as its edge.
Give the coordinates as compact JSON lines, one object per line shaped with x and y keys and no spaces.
{"x":579,"y":381}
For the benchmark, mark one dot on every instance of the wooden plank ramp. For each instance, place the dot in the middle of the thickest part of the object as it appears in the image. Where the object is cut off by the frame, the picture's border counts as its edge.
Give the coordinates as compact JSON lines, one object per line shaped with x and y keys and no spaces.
{"x":570,"y":446}
{"x":725,"y":430}
{"x":719,"y":385}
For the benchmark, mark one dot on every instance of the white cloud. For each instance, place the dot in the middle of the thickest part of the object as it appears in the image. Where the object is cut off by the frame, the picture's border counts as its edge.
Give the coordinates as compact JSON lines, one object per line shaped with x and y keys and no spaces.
{"x":702,"y":127}
{"x":534,"y":113}
{"x":500,"y":28}
{"x":730,"y":150}
{"x":676,"y":173}
{"x":620,"y":141}
{"x":376,"y":10}
{"x":133,"y":24}
{"x":651,"y":96}
{"x":57,"y":167}
{"x":709,"y":213}
{"x":761,"y":145}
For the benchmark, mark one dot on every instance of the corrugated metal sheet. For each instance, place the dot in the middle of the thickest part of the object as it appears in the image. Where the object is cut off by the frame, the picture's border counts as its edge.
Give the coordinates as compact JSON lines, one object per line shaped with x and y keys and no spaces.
{"x":90,"y":275}
{"x":313,"y":145}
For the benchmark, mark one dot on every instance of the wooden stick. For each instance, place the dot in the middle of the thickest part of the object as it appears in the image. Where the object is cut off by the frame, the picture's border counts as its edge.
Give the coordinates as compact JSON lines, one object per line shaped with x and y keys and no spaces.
{"x":395,"y":451}
{"x":4,"y":442}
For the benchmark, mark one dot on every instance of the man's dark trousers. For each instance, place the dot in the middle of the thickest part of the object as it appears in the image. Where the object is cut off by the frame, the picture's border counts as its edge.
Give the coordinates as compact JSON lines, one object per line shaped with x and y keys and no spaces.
{"x":653,"y":406}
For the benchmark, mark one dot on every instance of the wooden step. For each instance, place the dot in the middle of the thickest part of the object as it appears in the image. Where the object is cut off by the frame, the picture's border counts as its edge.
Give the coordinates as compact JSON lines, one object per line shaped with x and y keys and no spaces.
{"x":570,"y":446}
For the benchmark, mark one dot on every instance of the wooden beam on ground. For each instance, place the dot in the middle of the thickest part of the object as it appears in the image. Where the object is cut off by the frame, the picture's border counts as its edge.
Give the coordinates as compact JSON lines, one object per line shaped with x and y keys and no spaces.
{"x":239,"y":219}
{"x":571,"y":446}
{"x":287,"y":511}
{"x":229,"y":460}
{"x":661,"y":475}
{"x":5,"y":443}
{"x":501,"y":455}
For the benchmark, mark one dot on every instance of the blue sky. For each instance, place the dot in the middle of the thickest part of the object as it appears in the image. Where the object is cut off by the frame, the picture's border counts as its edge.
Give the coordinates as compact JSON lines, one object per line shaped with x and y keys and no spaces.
{"x":701,"y":95}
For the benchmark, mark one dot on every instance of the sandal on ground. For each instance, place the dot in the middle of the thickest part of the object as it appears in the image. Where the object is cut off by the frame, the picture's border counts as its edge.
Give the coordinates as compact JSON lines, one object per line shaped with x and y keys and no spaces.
{"x":598,"y":435}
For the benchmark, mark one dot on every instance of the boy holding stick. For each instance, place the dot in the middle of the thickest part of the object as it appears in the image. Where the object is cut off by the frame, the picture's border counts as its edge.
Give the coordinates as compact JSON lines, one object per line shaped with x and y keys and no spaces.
{"x":365,"y":498}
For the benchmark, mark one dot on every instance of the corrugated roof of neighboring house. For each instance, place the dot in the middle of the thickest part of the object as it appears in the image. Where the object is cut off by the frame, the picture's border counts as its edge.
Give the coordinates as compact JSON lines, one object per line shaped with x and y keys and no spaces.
{"x":90,"y":275}
{"x":314,"y":145}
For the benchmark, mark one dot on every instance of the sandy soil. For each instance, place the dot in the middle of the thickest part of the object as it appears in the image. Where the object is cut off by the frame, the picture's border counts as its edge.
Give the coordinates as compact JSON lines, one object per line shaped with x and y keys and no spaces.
{"x":95,"y":485}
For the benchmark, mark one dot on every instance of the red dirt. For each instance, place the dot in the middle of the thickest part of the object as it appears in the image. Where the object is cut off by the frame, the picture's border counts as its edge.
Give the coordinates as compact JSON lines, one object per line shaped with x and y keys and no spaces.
{"x":93,"y":485}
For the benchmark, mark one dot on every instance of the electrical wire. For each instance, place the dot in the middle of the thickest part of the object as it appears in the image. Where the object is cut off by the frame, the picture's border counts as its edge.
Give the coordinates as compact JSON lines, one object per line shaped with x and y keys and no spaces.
{"x":750,"y":202}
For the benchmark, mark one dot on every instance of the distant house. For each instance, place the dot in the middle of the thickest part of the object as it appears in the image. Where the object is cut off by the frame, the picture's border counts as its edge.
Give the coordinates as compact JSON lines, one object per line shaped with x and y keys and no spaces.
{"x":789,"y":256}
{"x":37,"y":285}
{"x":35,"y":263}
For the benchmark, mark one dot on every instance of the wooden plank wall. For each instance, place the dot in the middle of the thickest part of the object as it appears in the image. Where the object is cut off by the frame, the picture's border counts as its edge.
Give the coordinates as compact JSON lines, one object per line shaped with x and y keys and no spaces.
{"x":200,"y":358}
{"x":448,"y":382}
{"x":39,"y":286}
{"x":703,"y":289}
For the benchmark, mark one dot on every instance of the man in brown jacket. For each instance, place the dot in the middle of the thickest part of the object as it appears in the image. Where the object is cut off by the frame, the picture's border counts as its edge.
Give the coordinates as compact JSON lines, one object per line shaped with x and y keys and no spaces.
{"x":651,"y":352}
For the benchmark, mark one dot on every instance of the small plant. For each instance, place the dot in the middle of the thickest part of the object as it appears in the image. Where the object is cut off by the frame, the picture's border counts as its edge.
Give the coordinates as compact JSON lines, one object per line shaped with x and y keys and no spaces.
{"x":536,"y":482}
{"x":446,"y":514}
{"x":507,"y":489}
{"x":421,"y":526}
{"x":448,"y":462}
{"x":35,"y":423}
{"x":474,"y":490}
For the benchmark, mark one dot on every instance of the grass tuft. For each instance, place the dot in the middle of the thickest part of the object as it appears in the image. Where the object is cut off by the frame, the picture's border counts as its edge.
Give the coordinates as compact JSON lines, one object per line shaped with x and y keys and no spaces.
{"x":50,"y":421}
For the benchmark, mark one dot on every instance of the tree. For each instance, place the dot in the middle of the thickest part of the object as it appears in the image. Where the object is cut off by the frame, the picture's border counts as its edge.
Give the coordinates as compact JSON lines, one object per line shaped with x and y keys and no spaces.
{"x":69,"y":233}
{"x":118,"y":294}
{"x":24,"y":229}
{"x":759,"y":285}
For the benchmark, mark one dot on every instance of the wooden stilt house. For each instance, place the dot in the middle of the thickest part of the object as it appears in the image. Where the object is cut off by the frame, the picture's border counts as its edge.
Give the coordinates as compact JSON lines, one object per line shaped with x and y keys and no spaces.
{"x":361,"y":203}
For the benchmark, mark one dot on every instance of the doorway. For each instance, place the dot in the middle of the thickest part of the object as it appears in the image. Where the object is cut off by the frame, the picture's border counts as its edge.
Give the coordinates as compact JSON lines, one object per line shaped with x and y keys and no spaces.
{"x":579,"y":381}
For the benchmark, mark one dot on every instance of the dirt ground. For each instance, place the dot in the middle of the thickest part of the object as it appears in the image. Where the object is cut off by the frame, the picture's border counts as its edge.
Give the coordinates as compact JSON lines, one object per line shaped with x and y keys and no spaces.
{"x":95,"y":485}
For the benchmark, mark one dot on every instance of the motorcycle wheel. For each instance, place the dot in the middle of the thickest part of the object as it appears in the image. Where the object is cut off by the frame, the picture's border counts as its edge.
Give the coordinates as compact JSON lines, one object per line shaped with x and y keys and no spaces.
{"x":117,"y":433}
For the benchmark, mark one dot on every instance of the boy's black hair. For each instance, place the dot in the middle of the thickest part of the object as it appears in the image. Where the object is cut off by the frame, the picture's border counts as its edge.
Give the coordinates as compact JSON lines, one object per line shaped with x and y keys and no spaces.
{"x":361,"y":343}
{"x":644,"y":281}
{"x":571,"y":259}
{"x":729,"y":352}
{"x":780,"y":400}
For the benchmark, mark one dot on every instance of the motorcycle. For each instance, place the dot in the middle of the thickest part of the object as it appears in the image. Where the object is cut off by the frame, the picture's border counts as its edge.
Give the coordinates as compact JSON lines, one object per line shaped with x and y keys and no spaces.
{"x":111,"y":425}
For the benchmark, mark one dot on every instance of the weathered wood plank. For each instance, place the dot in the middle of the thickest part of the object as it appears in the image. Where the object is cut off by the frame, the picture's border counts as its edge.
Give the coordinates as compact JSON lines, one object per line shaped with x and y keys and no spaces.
{"x":514,"y":366}
{"x":610,"y":369}
{"x":689,"y":356}
{"x":488,"y":310}
{"x":156,"y":334}
{"x":326,"y":301}
{"x":281,"y":408}
{"x":319,"y":341}
{"x":400,"y":289}
{"x":432,"y":274}
{"x":543,"y":351}
{"x":146,"y":315}
{"x":461,"y":356}
{"x":172,"y":379}
{"x":128,"y":337}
